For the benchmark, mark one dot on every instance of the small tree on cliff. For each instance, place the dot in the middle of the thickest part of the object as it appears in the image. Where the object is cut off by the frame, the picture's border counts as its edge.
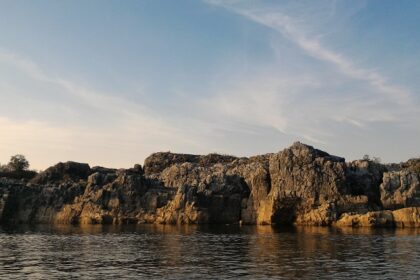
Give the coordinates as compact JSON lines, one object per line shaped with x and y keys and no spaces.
{"x":18,"y":163}
{"x":374,"y":159}
{"x":366,"y":157}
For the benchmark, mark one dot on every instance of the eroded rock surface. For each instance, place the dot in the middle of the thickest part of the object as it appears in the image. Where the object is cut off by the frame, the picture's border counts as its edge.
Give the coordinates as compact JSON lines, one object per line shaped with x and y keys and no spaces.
{"x":300,"y":185}
{"x":400,"y":189}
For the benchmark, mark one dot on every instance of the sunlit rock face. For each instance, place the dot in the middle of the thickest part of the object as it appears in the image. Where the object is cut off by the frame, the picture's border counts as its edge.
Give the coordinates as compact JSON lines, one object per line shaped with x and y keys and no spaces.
{"x":300,"y":185}
{"x":404,"y":217}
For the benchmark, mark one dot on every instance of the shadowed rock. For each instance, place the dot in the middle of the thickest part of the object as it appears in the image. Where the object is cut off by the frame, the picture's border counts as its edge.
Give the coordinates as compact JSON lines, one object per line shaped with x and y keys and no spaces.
{"x":300,"y":185}
{"x":70,"y":170}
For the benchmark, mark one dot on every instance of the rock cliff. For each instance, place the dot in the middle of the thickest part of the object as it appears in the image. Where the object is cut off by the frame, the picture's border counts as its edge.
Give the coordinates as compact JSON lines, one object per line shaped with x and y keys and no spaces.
{"x":300,"y":185}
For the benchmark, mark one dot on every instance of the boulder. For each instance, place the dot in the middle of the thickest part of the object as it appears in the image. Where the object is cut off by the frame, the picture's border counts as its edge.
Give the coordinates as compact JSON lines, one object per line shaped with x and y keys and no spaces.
{"x":370,"y":219}
{"x":405,"y":217}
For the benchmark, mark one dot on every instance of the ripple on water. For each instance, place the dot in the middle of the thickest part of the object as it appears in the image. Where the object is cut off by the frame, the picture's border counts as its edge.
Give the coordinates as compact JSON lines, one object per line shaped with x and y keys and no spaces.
{"x":147,"y":251}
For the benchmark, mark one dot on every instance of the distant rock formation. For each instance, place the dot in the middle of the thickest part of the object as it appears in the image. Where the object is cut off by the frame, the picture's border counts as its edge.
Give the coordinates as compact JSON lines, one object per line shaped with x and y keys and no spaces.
{"x":299,"y":185}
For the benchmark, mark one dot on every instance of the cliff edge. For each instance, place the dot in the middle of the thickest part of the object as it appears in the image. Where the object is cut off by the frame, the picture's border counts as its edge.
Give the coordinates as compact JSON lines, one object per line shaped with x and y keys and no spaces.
{"x":298,"y":185}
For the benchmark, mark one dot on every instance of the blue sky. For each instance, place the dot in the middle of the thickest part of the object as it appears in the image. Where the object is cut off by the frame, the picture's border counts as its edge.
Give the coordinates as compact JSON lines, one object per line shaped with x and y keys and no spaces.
{"x":109,"y":82}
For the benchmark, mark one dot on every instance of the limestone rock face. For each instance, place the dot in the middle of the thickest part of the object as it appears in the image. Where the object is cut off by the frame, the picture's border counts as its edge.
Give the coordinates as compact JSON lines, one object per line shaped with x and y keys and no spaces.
{"x":256,"y":175}
{"x":107,"y":198}
{"x":303,"y":178}
{"x":300,"y":185}
{"x":28,"y":203}
{"x":400,"y":189}
{"x":158,"y":162}
{"x":365,"y":176}
{"x":204,"y":194}
{"x":212,"y":188}
{"x":324,"y":215}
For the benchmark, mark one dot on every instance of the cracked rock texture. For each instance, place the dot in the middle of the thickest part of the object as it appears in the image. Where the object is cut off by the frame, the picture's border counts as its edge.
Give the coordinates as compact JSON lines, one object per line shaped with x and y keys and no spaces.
{"x":298,"y":185}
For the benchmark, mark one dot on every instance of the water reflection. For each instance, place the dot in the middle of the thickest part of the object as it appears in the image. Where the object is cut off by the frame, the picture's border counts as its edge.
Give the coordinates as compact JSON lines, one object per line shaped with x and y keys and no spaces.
{"x":178,"y":252}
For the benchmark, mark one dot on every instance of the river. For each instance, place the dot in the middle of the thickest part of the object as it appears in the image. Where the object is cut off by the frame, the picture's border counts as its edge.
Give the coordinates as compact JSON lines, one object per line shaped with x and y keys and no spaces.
{"x":207,"y":252}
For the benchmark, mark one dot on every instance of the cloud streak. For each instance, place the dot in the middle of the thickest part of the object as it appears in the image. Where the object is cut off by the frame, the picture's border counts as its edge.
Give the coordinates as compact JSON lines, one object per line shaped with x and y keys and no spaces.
{"x":262,"y":92}
{"x":288,"y":27}
{"x":113,"y":131}
{"x":325,"y":99}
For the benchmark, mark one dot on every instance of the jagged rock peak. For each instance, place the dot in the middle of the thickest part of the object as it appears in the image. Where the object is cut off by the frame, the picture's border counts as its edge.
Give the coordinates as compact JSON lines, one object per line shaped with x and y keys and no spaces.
{"x":299,"y":184}
{"x":301,"y":150}
{"x":157,"y":162}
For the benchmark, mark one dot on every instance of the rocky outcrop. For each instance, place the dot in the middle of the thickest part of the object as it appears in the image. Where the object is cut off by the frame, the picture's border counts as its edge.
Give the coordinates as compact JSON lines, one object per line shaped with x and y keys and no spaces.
{"x":158,"y":162}
{"x":400,"y":189}
{"x":29,"y":203}
{"x":107,"y":198}
{"x":364,"y":177}
{"x":300,"y":185}
{"x":405,"y":217}
{"x":204,"y":194}
{"x":63,"y":172}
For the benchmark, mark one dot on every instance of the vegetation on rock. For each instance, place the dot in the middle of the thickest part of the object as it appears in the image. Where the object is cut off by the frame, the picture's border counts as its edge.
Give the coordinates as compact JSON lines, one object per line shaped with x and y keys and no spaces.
{"x":300,"y":185}
{"x":17,"y":168}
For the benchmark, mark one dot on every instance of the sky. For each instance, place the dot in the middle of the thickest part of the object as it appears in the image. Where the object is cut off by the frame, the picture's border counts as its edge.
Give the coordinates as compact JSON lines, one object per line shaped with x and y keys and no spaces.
{"x":110,"y":82}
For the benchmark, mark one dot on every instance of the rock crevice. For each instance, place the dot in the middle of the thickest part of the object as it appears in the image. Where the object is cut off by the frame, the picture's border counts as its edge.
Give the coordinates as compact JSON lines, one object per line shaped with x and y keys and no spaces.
{"x":300,"y":185}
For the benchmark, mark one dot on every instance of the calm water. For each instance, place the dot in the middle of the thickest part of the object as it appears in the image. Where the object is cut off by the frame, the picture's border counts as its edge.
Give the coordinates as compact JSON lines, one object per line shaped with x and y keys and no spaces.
{"x":147,"y":251}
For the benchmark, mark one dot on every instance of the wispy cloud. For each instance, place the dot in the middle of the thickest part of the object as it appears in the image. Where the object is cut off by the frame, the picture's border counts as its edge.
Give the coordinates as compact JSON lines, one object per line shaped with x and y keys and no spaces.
{"x":114,"y":130}
{"x":291,"y":81}
{"x":288,"y":27}
{"x":94,"y":99}
{"x":329,"y":101}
